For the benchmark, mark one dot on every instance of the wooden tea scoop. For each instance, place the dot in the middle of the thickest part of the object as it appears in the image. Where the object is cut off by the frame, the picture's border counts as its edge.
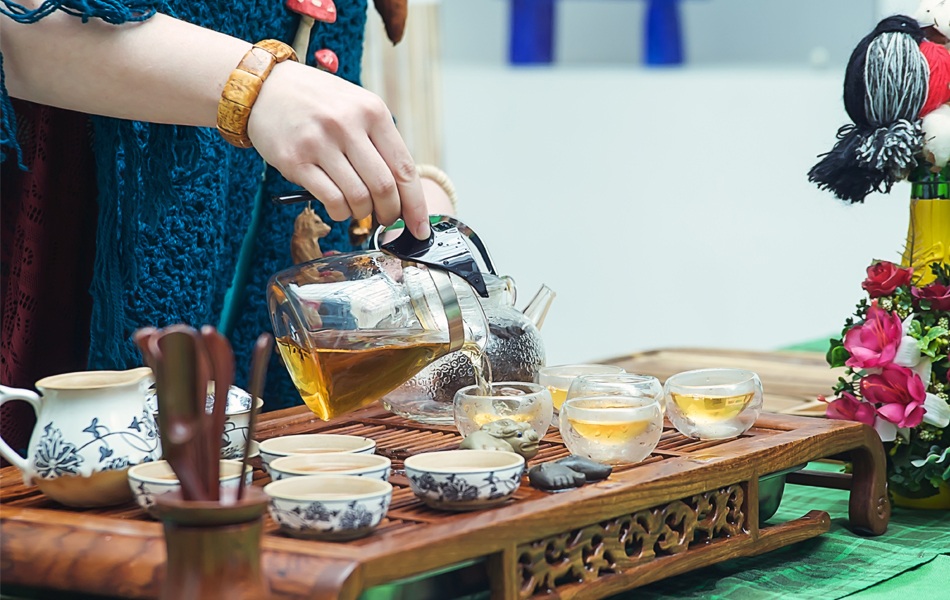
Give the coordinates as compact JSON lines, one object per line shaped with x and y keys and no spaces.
{"x":259,"y":358}
{"x":221,"y":357}
{"x":175,"y":352}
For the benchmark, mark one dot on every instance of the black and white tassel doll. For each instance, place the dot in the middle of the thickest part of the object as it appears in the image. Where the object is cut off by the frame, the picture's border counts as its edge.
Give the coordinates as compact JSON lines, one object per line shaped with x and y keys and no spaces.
{"x":894,"y":78}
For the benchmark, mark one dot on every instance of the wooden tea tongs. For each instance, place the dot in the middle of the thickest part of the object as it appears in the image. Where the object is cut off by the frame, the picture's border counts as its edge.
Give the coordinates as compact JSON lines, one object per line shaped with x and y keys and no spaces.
{"x":173,"y":354}
{"x":221,"y":357}
{"x":259,"y":357}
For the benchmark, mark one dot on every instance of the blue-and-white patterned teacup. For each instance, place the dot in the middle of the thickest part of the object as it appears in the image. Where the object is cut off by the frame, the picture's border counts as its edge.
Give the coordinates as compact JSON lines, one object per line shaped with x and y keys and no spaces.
{"x":335,"y":464}
{"x":153,"y":479}
{"x":313,"y":444}
{"x":460,"y":480}
{"x":333,"y":508}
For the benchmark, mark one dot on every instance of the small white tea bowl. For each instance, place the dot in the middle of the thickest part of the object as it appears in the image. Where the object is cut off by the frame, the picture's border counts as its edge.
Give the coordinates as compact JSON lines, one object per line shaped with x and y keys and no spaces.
{"x":328,"y":465}
{"x":333,"y":508}
{"x":461,"y":480}
{"x":156,"y":478}
{"x":313,"y":443}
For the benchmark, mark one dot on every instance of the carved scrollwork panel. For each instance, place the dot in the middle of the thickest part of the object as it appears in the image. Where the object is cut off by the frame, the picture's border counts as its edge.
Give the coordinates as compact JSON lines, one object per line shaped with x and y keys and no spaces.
{"x":615,"y":545}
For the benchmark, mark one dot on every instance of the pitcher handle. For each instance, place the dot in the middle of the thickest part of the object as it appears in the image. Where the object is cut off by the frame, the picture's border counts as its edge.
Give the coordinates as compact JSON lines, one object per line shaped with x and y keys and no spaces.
{"x":7,"y":394}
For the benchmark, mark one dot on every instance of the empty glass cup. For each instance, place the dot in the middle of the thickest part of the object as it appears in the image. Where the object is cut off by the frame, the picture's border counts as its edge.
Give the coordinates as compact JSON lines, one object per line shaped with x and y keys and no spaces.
{"x":713,"y":404}
{"x":522,"y":402}
{"x":558,"y":379}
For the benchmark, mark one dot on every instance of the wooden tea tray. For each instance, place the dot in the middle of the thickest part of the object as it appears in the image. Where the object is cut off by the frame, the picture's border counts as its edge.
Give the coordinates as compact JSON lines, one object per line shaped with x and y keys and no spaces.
{"x":691,"y":504}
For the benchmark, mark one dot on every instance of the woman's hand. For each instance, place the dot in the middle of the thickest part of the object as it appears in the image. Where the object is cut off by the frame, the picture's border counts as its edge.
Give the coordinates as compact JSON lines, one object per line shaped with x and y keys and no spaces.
{"x":338,"y":141}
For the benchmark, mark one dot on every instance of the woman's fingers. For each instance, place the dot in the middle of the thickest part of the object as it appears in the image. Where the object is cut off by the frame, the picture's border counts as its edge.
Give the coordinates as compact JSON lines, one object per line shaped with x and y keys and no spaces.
{"x":339,"y":141}
{"x":377,"y":178}
{"x":355,"y":191}
{"x":324,"y":189}
{"x":412,"y":202}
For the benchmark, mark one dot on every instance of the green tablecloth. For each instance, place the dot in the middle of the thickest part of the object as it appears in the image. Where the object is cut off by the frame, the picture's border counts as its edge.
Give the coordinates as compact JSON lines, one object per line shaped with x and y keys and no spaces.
{"x":914,"y":554}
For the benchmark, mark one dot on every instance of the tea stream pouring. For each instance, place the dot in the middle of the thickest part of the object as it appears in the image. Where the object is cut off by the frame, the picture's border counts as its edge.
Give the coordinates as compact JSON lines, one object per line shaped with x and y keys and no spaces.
{"x":514,"y":349}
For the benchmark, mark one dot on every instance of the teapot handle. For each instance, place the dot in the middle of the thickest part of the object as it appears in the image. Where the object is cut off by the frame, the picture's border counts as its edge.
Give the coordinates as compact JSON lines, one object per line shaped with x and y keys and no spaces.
{"x":7,"y":394}
{"x":464,"y":229}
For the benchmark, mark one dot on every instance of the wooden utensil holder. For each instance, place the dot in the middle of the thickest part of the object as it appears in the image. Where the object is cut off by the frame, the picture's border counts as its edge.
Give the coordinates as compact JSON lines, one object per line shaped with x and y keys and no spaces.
{"x":213,"y":549}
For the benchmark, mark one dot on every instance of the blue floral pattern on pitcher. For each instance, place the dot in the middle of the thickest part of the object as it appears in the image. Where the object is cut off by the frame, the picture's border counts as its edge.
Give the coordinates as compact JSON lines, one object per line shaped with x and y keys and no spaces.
{"x":56,"y":457}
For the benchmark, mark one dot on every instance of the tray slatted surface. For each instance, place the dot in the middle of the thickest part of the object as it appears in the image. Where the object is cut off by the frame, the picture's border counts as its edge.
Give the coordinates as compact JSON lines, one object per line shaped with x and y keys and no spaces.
{"x":676,"y":487}
{"x":396,"y":438}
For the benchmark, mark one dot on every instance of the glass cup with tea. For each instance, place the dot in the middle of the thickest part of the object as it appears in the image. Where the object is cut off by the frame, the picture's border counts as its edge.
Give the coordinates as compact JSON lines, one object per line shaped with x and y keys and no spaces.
{"x":613,"y":419}
{"x":558,"y":379}
{"x":713,"y":404}
{"x":521,"y":402}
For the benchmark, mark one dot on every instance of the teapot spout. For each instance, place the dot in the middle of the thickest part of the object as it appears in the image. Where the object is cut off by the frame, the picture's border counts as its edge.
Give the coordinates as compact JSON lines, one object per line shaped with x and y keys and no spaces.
{"x":537,"y":309}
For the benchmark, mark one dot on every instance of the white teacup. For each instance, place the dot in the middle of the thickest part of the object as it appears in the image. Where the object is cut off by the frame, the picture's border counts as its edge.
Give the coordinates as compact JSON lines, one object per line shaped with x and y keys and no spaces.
{"x":337,"y":463}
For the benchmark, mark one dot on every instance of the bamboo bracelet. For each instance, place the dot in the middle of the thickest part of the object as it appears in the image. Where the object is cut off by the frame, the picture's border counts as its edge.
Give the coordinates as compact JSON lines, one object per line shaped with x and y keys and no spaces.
{"x":243,"y":86}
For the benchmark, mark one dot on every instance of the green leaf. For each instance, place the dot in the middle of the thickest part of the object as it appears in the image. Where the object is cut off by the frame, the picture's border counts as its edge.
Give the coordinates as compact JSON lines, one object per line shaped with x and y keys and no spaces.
{"x":837,"y":355}
{"x":929,"y":344}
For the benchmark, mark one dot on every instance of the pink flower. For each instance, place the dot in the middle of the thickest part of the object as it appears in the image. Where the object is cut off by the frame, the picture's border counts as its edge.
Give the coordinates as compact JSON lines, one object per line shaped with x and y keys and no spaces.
{"x":900,"y":394}
{"x":874,"y":343}
{"x":849,"y":408}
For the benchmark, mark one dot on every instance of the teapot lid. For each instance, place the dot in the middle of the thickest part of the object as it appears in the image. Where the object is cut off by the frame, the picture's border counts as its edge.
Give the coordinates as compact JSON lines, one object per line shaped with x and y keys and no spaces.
{"x":445,"y":249}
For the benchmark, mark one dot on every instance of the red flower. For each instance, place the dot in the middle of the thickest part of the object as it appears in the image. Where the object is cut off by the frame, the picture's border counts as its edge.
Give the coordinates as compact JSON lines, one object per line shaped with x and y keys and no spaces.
{"x":874,"y":343}
{"x":884,"y":277}
{"x":900,"y":393}
{"x":937,"y":294}
{"x":849,"y":408}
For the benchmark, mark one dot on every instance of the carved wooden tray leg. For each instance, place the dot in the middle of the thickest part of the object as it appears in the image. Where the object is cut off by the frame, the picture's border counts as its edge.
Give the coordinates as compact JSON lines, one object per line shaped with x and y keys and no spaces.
{"x":869,"y":508}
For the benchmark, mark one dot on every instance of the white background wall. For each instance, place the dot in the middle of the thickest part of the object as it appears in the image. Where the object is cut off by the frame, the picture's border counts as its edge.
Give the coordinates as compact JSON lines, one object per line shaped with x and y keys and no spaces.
{"x":666,"y":207}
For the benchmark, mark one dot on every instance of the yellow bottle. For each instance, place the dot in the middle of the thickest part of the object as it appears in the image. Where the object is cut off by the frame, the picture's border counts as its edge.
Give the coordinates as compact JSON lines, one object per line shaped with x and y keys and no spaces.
{"x":928,"y":236}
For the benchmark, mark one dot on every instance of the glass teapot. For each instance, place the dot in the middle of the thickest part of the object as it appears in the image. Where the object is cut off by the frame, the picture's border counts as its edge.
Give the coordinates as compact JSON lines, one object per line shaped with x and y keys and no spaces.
{"x":351,"y":328}
{"x":514,"y":350}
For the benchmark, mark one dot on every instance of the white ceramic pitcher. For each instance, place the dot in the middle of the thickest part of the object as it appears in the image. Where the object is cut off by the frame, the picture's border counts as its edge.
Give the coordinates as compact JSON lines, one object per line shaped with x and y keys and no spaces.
{"x":90,"y":428}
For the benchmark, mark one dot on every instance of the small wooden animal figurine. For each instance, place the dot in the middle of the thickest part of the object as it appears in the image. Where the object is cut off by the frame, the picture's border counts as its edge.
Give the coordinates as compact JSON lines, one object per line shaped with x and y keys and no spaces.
{"x":506,"y":435}
{"x":305,"y":242}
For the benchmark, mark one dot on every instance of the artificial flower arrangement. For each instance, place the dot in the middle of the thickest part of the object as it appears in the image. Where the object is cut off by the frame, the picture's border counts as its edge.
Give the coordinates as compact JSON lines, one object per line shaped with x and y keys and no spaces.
{"x":897,"y":374}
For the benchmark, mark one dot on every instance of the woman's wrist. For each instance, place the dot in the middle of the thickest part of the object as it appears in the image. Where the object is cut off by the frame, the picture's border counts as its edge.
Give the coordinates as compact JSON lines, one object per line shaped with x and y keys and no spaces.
{"x":243,"y":87}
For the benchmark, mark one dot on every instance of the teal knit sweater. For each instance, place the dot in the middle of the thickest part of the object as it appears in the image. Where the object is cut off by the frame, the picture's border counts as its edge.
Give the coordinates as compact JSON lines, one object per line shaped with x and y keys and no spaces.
{"x":175,"y":203}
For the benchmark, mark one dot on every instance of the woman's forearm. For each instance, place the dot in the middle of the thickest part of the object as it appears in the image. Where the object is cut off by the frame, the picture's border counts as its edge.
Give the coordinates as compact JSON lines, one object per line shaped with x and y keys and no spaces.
{"x":320,"y":131}
{"x":161,"y":70}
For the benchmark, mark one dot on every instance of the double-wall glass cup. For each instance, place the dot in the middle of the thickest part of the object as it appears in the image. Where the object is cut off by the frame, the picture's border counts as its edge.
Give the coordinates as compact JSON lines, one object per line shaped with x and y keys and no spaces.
{"x":613,"y":419}
{"x":713,"y":404}
{"x":522,"y":402}
{"x":558,"y":379}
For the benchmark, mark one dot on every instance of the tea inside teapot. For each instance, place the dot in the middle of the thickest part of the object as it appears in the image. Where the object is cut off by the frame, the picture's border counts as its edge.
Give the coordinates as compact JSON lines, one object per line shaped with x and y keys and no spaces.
{"x":341,"y":369}
{"x":352,"y":327}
